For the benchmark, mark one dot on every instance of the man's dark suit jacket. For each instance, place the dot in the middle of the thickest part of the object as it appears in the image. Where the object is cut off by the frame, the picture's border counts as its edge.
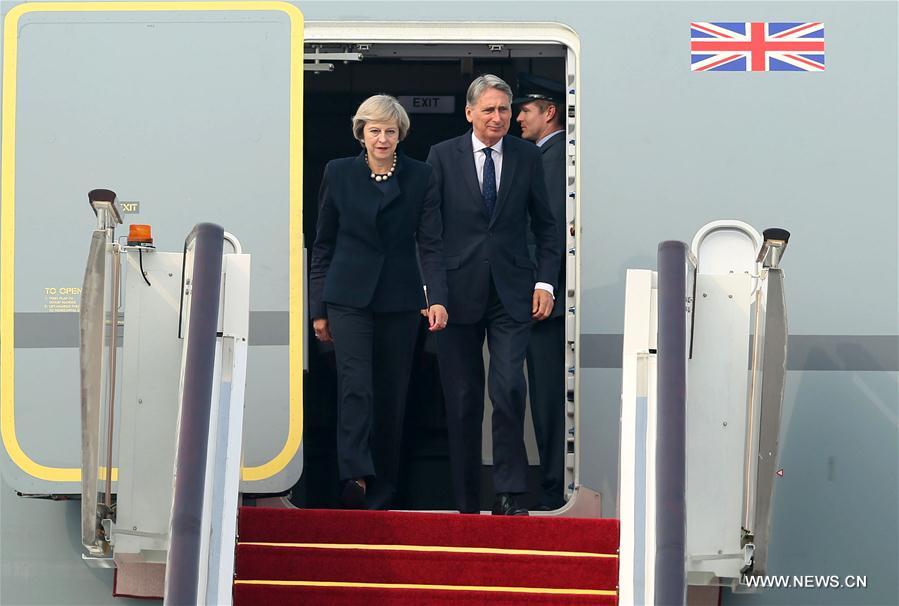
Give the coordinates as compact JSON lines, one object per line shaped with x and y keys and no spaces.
{"x":477,"y":247}
{"x":553,"y":152}
{"x":364,"y":253}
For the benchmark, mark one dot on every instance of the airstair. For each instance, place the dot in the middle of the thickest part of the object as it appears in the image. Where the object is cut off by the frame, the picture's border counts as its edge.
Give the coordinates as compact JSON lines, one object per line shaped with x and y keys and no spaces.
{"x":704,"y":353}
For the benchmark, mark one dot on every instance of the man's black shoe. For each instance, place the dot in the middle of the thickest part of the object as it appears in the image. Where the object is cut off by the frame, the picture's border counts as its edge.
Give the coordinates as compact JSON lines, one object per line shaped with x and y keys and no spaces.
{"x":352,"y":495}
{"x":506,"y":504}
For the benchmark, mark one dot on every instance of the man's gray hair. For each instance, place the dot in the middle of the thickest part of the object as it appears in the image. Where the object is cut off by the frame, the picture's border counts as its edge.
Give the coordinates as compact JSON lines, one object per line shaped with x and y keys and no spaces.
{"x":481,"y":84}
{"x":380,"y":108}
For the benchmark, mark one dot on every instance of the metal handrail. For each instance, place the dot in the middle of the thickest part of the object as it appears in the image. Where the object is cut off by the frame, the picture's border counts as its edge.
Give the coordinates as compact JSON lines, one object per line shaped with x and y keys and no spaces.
{"x":183,"y":562}
{"x":91,"y":358}
{"x":772,"y":392}
{"x":91,"y":327}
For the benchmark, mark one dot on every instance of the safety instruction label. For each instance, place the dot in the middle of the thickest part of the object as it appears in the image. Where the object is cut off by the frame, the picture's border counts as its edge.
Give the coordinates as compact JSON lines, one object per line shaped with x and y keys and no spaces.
{"x":62,"y":299}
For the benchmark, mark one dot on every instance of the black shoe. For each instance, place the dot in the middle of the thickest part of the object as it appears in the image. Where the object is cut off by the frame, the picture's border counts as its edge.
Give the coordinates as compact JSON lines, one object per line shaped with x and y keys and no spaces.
{"x":469,"y":505}
{"x":507,"y":504}
{"x":352,"y":496}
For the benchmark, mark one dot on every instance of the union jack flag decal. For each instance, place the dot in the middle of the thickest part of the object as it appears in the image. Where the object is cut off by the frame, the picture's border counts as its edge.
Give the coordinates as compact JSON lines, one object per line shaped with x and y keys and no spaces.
{"x":756,"y":47}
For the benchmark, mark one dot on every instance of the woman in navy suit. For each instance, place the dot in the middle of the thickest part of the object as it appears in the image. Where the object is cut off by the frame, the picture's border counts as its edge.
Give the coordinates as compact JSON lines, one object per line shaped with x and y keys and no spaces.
{"x":366,"y":292}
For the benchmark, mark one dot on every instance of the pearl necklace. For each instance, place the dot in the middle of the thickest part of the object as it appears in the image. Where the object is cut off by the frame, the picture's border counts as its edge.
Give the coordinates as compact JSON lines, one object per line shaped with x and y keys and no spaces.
{"x":385,"y":176}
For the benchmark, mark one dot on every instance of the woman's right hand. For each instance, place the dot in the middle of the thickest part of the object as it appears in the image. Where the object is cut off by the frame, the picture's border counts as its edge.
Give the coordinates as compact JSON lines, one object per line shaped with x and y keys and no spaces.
{"x":322,"y":331}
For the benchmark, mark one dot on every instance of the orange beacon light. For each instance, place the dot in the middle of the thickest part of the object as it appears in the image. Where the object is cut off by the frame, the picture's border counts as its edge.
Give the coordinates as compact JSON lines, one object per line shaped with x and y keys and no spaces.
{"x":139,"y":235}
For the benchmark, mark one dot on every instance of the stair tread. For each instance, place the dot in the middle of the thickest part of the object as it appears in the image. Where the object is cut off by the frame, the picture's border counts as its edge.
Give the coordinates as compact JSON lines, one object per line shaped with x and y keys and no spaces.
{"x":259,"y":524}
{"x":353,"y":596}
{"x":429,"y":568}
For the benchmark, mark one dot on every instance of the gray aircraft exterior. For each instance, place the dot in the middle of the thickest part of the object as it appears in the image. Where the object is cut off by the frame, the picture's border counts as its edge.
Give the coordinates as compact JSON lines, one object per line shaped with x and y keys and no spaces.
{"x":194,"y":124}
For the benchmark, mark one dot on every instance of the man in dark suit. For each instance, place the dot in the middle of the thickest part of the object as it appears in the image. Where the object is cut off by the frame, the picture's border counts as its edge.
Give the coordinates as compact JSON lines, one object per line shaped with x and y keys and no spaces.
{"x":489,"y":185}
{"x":542,"y":120}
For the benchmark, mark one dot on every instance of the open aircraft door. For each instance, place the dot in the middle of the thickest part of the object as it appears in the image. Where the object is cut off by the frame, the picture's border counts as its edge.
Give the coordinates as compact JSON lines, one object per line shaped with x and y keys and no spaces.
{"x":190,"y":111}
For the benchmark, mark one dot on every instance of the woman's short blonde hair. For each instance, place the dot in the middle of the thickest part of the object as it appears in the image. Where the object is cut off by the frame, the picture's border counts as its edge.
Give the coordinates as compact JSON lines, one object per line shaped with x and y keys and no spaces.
{"x":380,"y":108}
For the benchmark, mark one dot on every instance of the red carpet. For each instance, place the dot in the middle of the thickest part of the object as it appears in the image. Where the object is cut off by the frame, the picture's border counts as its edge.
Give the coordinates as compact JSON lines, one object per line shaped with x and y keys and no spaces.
{"x":405,"y":558}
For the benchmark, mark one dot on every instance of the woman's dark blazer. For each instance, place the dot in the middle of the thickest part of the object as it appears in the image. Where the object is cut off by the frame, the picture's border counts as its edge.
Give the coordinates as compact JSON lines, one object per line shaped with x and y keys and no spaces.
{"x":365,"y":246}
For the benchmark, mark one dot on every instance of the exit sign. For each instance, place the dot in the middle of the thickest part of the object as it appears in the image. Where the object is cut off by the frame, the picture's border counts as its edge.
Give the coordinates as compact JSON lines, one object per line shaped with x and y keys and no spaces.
{"x":428,"y":104}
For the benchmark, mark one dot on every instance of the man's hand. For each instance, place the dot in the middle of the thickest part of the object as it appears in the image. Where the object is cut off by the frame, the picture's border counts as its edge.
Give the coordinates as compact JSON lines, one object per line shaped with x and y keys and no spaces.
{"x":437,"y":317}
{"x":542,"y":304}
{"x":322,"y":331}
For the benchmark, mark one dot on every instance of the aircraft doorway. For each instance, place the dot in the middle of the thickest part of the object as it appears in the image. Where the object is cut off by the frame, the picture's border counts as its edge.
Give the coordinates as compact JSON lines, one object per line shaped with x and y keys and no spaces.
{"x":431,"y":81}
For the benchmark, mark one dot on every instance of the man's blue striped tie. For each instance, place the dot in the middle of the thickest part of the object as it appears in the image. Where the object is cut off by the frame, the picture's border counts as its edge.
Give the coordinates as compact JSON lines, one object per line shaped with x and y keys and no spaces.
{"x":488,"y":189}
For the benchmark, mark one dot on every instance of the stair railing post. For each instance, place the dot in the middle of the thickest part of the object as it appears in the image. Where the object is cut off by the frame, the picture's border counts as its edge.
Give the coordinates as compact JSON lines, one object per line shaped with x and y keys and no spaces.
{"x":203,"y":289}
{"x":675,"y":272}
